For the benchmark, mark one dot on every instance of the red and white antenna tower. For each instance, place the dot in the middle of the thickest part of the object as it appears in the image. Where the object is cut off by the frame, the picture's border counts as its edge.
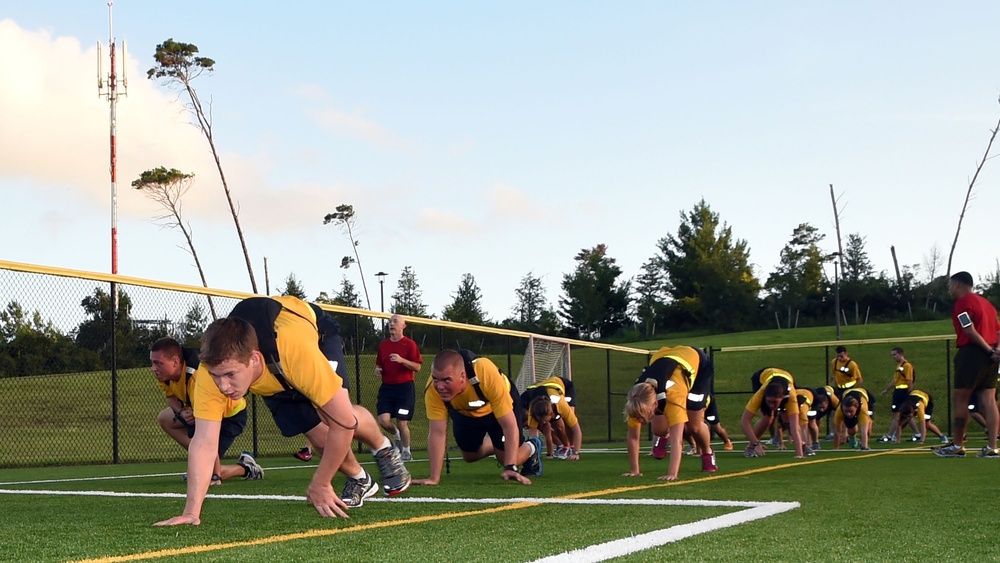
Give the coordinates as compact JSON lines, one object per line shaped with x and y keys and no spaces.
{"x":109,"y":90}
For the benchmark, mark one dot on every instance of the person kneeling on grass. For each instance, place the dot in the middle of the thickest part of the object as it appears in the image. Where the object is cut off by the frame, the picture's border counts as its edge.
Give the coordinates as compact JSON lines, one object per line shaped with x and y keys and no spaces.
{"x":298,"y":370}
{"x":486,"y":416}
{"x":551,"y":413}
{"x":671,"y":394}
{"x":174,"y":367}
{"x":852,"y":419}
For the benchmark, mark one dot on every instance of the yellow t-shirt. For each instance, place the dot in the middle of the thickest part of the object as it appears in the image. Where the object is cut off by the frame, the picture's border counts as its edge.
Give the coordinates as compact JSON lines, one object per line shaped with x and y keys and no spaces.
{"x":672,"y":388}
{"x":902,"y":377}
{"x":494,"y":385}
{"x":845,"y":374}
{"x":753,"y":405}
{"x":557,"y":395}
{"x":305,"y":367}
{"x":862,"y":416}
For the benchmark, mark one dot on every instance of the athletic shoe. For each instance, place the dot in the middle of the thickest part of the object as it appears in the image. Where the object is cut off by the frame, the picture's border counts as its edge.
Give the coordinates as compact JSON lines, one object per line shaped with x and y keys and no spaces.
{"x":806,"y":450}
{"x":865,"y":449}
{"x":988,"y":453}
{"x":357,"y":490}
{"x":749,"y":452}
{"x":816,"y":447}
{"x":852,"y":442}
{"x":305,"y":454}
{"x":395,"y":477}
{"x":885,"y":439}
{"x":944,"y":439}
{"x":691,"y":450}
{"x":561,"y":453}
{"x":571,"y":452}
{"x":533,"y":465}
{"x":916,"y":438}
{"x":728,"y":446}
{"x":951,"y":450}
{"x":406,"y":455}
{"x":659,"y":447}
{"x":708,"y":463}
{"x":774,"y":441}
{"x":249,"y":464}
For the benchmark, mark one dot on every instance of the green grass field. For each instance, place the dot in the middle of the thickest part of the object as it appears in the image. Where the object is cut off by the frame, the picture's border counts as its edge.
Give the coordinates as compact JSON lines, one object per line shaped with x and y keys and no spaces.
{"x":884,"y":505}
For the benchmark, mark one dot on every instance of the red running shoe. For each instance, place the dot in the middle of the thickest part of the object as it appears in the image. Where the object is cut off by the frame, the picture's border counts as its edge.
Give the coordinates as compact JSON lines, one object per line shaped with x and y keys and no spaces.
{"x":305,"y":454}
{"x":708,"y":463}
{"x":659,"y":447}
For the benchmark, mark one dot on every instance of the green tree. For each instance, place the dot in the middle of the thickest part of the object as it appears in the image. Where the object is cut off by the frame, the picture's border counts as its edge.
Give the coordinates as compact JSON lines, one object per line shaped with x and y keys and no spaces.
{"x":531,"y":312}
{"x":710,"y":279}
{"x":167,"y":187}
{"x":193,"y":326}
{"x":408,"y":299}
{"x":358,"y":332}
{"x":344,"y":218}
{"x":467,"y":304}
{"x":293,"y":287}
{"x":178,"y":65}
{"x":650,"y":298}
{"x":31,"y":346}
{"x":133,"y":339}
{"x":798,"y":277}
{"x":594,"y":303}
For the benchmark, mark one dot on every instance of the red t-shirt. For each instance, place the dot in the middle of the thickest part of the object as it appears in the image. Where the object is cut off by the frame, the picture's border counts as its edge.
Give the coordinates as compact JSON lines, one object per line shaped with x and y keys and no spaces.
{"x":395,"y":372}
{"x":984,"y":319}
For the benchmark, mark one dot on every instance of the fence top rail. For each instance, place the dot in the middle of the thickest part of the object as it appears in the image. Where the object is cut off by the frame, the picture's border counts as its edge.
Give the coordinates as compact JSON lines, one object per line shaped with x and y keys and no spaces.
{"x":128,"y":280}
{"x":761,"y":347}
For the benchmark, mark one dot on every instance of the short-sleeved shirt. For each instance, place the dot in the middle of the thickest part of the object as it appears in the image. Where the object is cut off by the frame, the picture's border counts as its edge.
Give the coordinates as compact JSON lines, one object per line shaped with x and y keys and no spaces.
{"x":902,"y":377}
{"x":766,"y":375}
{"x":984,"y":319}
{"x":673,"y":370}
{"x":845,"y":374}
{"x":183,"y":391}
{"x":861,"y":417}
{"x":494,"y":385}
{"x":305,"y":367}
{"x":555,"y":388}
{"x":920,"y":400}
{"x":832,"y":401}
{"x":395,"y":372}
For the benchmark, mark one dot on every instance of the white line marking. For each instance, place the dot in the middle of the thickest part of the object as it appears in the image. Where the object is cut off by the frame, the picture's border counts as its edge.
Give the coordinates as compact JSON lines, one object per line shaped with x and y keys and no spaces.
{"x":622,"y":547}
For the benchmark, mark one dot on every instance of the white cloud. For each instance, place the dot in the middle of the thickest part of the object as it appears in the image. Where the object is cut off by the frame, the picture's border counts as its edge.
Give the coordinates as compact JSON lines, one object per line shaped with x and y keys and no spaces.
{"x":509,"y":203}
{"x":446,"y":222}
{"x":355,"y":125}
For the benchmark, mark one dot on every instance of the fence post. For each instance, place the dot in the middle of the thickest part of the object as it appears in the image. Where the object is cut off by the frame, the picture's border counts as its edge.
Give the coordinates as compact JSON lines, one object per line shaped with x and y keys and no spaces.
{"x":607,"y":371}
{"x":947,"y":389}
{"x":115,"y":446}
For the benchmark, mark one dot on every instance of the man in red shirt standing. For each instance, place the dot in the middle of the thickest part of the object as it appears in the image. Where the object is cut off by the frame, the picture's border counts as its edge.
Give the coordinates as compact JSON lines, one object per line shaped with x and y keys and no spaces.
{"x":976,"y":328}
{"x":397,"y":362}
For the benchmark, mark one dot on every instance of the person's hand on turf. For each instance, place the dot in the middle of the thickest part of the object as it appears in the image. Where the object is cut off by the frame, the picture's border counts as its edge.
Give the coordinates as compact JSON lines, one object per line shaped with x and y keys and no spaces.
{"x":668,"y":477}
{"x":424,"y":482}
{"x":180,"y":521}
{"x":632,"y":474}
{"x":511,"y":475}
{"x":326,"y":501}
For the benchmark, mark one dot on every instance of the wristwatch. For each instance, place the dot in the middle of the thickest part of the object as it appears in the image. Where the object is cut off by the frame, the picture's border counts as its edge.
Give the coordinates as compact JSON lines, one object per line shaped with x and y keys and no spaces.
{"x":511,"y":468}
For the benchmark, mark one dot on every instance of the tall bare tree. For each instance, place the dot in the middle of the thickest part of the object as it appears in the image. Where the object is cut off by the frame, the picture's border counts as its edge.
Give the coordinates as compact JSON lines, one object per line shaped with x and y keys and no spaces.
{"x":836,"y":223}
{"x":343,"y":217}
{"x":968,"y":194}
{"x":167,"y":187}
{"x":178,"y":65}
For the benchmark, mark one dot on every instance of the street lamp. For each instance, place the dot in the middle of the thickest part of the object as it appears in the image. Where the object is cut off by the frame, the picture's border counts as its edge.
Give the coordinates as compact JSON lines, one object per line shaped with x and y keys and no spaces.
{"x":381,"y":292}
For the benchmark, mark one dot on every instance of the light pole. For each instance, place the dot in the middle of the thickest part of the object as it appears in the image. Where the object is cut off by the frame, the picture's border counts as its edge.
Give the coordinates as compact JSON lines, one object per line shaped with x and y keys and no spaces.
{"x":836,"y":291}
{"x":381,"y":293}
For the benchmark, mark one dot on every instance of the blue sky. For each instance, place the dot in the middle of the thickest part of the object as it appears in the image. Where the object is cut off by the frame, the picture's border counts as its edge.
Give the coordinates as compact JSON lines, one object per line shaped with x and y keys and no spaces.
{"x":502,"y":139}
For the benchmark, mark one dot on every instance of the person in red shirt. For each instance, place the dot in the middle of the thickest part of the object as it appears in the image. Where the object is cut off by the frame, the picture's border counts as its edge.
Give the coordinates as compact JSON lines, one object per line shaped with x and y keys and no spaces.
{"x":976,"y":330}
{"x":397,"y":361}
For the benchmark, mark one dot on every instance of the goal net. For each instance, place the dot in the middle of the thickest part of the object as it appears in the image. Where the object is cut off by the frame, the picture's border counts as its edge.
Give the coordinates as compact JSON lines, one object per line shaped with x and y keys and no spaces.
{"x":543,"y":359}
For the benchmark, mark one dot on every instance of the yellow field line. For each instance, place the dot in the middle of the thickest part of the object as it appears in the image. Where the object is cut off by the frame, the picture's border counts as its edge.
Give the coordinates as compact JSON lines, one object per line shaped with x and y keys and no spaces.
{"x":448,"y":515}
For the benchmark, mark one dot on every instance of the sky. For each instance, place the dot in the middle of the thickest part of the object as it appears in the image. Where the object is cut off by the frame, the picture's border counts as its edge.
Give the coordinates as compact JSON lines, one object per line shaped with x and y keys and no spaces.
{"x":500,"y":140}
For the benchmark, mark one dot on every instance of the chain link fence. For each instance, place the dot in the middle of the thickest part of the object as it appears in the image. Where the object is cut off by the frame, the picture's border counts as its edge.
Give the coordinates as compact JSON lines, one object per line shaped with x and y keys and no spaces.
{"x":75,"y":391}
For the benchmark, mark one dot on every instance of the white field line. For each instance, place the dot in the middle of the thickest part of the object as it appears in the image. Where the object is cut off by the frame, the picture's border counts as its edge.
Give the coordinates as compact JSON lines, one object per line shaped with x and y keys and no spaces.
{"x":626,"y":546}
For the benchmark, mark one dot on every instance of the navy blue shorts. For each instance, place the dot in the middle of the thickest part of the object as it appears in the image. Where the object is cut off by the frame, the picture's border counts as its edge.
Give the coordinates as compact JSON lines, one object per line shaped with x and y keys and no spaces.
{"x":469,"y":431}
{"x":397,"y":400}
{"x":232,"y":427}
{"x":293,"y":412}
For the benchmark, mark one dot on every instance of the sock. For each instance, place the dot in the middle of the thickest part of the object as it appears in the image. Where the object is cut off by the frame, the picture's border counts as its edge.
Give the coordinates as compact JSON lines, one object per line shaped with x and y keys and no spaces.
{"x":533,"y":448}
{"x":397,"y":436}
{"x":385,"y":444}
{"x":406,"y":449}
{"x":360,"y":476}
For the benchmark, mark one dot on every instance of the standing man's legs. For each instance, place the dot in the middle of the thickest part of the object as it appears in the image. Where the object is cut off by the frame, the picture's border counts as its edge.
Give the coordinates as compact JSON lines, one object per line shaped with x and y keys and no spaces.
{"x":960,"y":406}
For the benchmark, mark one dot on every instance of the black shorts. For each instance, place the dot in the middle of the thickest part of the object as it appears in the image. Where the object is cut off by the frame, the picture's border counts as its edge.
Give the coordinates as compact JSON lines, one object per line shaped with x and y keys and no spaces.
{"x":293,"y":412}
{"x":898,"y":398}
{"x":232,"y":427}
{"x":703,"y":383}
{"x":974,"y":369}
{"x":929,"y":408}
{"x":397,"y":400}
{"x":755,"y":383}
{"x":570,"y":391}
{"x":469,"y":431}
{"x":712,"y":412}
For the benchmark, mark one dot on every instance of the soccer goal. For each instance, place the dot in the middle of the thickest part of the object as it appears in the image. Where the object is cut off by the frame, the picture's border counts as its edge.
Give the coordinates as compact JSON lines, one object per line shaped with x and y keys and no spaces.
{"x":544,"y":358}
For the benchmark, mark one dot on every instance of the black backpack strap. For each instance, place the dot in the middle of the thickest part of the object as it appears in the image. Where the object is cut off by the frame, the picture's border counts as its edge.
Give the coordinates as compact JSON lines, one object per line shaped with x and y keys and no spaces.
{"x":261,"y":313}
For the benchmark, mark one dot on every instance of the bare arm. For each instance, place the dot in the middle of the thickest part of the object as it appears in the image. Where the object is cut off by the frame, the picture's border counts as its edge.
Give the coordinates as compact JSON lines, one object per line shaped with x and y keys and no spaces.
{"x":632,"y":441}
{"x":576,"y":438}
{"x":676,"y":451}
{"x":202,"y":453}
{"x":338,"y":414}
{"x":511,"y":436}
{"x":436,"y":438}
